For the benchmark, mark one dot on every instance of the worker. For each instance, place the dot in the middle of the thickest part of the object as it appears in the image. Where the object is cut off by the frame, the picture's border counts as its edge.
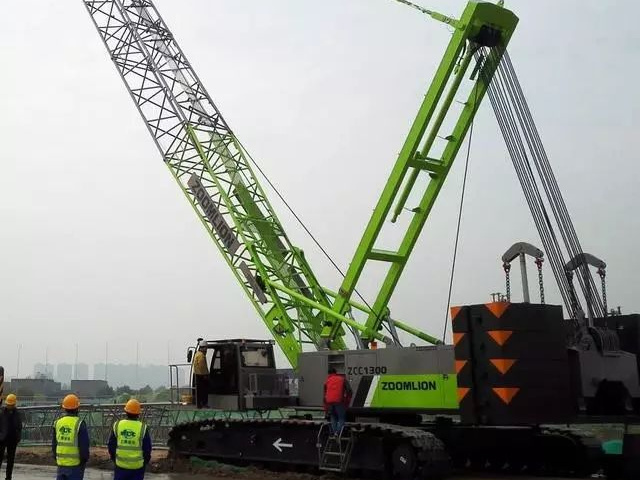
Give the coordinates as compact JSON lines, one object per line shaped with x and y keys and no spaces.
{"x":201,"y":373}
{"x":337,"y":397}
{"x":130,"y":444}
{"x":10,"y":431}
{"x":70,"y":442}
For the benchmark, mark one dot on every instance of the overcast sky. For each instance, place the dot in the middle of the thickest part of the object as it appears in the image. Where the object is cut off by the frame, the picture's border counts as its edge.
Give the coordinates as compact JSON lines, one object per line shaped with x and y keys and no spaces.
{"x":98,"y":244}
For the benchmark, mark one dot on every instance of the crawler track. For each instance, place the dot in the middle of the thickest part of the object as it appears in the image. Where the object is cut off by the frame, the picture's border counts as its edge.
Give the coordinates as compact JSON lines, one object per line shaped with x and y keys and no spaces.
{"x":533,"y":451}
{"x":379,"y":449}
{"x":394,"y":451}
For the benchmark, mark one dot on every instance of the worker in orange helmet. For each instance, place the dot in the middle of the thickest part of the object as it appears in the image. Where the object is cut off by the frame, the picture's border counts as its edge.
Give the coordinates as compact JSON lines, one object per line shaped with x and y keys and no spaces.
{"x":130,"y":444}
{"x":337,"y":397}
{"x":70,"y":442}
{"x":10,"y":432}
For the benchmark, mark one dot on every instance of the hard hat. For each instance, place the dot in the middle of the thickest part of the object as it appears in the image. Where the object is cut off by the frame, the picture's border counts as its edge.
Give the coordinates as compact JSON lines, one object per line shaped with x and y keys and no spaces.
{"x":202,"y":344}
{"x":11,"y":400}
{"x":71,"y":402}
{"x":133,"y":407}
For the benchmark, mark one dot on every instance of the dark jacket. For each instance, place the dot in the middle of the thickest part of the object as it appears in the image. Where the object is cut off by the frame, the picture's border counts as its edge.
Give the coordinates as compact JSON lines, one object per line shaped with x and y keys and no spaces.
{"x":147,"y":446}
{"x":10,"y":425}
{"x":83,"y":443}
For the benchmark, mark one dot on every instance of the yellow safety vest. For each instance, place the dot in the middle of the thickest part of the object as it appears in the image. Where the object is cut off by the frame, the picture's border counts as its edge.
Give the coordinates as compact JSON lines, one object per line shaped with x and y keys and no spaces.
{"x":129,"y":435}
{"x":67,"y":451}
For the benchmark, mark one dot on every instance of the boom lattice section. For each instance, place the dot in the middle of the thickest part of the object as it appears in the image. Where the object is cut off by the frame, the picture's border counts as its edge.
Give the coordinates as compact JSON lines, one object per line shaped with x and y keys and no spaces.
{"x":212,"y":170}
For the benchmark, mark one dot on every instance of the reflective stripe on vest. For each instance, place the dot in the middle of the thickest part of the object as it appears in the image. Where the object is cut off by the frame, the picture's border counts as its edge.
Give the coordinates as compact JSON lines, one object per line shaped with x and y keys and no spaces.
{"x":129,"y":435}
{"x":67,"y":451}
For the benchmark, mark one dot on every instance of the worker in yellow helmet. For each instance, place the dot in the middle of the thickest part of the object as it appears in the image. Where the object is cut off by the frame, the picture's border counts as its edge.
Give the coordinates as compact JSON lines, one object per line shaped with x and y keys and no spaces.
{"x":10,"y":431}
{"x":130,"y":444}
{"x":70,"y":442}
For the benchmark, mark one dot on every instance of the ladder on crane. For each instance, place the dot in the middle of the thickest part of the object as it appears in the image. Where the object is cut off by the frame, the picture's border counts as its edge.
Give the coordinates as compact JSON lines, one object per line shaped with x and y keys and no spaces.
{"x":334,"y":450}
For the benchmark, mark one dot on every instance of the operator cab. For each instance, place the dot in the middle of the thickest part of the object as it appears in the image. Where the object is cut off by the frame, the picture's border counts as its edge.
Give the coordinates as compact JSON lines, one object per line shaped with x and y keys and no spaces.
{"x":242,"y":375}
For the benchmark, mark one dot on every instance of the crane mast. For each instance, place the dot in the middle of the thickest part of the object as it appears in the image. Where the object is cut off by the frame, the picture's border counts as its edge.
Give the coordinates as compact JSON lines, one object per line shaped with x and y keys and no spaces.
{"x":482,"y":25}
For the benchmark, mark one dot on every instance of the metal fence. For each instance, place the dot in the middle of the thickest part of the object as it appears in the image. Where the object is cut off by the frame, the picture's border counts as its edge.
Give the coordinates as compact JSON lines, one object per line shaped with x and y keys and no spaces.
{"x":159,"y":417}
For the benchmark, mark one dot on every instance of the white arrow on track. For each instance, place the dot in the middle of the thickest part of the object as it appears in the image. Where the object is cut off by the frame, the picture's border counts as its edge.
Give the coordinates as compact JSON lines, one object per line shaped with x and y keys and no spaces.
{"x":279,"y":445}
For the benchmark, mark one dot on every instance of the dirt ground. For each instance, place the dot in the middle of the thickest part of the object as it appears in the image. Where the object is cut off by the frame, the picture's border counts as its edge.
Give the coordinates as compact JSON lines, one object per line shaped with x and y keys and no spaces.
{"x":178,"y":470}
{"x":160,"y":463}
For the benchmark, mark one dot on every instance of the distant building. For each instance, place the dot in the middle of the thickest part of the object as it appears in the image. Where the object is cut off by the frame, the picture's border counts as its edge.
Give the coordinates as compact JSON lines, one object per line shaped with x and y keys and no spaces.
{"x":29,"y":387}
{"x":42,"y":370}
{"x":134,"y":376}
{"x":82,"y":372}
{"x":64,"y":374}
{"x":89,"y":388}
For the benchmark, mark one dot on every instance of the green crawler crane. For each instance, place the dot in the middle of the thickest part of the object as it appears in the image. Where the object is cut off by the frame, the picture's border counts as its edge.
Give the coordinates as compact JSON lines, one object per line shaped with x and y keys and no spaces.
{"x":310,"y":322}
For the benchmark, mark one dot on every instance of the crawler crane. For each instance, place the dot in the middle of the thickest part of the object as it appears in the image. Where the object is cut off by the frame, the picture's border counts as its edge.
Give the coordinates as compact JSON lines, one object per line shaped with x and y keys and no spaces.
{"x":394,"y":386}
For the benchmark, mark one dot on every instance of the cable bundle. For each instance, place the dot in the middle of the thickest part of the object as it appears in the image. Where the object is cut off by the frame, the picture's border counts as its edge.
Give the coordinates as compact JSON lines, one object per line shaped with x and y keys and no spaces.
{"x":533,"y":169}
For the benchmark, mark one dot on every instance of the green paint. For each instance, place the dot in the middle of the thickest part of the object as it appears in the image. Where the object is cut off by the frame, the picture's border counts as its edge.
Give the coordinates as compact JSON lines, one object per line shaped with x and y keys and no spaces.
{"x":613,"y":447}
{"x":434,"y":391}
{"x":423,"y":164}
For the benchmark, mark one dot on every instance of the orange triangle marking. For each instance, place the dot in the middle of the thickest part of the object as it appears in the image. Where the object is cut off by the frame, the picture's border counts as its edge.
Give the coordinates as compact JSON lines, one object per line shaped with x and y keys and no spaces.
{"x":460,"y":365}
{"x":506,"y":394}
{"x":500,"y":336}
{"x":454,"y":311}
{"x":503,"y":364}
{"x":462,"y":392}
{"x":457,"y":337}
{"x":497,"y":308}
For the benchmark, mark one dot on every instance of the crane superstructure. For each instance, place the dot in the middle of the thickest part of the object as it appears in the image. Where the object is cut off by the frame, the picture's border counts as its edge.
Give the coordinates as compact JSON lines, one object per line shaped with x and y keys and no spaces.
{"x":214,"y":172}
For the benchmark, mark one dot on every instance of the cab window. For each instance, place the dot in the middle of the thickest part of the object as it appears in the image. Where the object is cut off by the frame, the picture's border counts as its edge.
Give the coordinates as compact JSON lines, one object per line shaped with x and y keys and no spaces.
{"x":256,"y":357}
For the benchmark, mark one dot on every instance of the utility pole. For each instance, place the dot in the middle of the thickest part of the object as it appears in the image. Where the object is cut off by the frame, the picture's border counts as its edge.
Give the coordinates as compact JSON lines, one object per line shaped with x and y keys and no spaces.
{"x":75,"y":365}
{"x":106,"y":360}
{"x":18,"y":362}
{"x":169,"y":361}
{"x":137,"y":363}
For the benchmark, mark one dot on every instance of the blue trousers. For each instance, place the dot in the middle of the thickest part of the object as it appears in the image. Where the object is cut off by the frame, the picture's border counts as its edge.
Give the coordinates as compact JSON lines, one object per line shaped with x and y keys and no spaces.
{"x":337,"y":412}
{"x":70,"y":473}
{"x":125,"y":474}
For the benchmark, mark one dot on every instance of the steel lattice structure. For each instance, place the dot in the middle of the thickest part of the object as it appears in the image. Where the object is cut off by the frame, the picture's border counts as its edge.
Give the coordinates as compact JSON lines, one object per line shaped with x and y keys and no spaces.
{"x":212,"y":170}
